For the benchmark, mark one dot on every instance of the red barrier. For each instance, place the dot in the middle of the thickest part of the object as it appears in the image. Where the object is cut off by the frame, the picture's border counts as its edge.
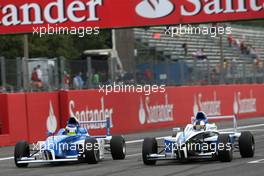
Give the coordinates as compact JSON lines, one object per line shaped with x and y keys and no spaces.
{"x":132,"y":112}
{"x":13,"y":112}
{"x":29,"y":115}
{"x":42,"y":108}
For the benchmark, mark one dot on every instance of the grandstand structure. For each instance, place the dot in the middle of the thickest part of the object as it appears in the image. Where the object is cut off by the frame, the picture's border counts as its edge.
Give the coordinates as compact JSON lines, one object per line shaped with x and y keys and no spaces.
{"x":170,"y":49}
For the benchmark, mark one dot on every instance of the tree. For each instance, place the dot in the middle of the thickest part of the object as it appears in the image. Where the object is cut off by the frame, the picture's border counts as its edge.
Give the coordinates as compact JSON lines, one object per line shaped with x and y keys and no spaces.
{"x":69,"y":46}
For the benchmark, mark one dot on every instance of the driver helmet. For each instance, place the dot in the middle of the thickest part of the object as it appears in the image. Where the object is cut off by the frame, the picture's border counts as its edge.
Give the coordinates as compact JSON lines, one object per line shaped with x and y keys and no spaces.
{"x":201,"y":116}
{"x":200,"y":121}
{"x":199,"y":125}
{"x":72,"y":126}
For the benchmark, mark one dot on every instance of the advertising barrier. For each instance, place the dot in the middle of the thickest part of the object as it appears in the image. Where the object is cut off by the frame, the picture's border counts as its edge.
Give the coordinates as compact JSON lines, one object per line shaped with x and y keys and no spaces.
{"x":43,"y":114}
{"x":29,"y":116}
{"x":27,"y":16}
{"x":14,"y":118}
{"x":133,"y":112}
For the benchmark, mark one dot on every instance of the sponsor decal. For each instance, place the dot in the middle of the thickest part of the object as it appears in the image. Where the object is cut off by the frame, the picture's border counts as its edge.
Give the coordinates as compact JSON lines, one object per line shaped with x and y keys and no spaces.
{"x":210,"y":107}
{"x":244,"y":105}
{"x":25,"y":15}
{"x":155,"y":113}
{"x":86,"y":115}
{"x":154,"y":8}
{"x":51,"y":120}
{"x":45,"y":13}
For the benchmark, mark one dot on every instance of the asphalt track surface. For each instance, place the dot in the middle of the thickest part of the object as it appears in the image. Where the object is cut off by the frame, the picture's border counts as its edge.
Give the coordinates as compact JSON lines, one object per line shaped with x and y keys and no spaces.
{"x":133,"y":164}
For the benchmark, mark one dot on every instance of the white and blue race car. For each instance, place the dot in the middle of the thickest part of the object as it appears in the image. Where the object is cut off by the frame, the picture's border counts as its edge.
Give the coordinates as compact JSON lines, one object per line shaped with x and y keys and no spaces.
{"x":71,"y":144}
{"x":200,"y":140}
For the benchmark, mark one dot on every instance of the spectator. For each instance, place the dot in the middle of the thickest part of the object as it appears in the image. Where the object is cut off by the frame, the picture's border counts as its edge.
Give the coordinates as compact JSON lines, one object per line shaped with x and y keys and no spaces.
{"x":148,"y":75}
{"x":39,"y":73}
{"x":225,"y":64}
{"x":185,"y":48}
{"x":66,"y":80}
{"x":243,"y":47}
{"x":230,"y":39}
{"x":78,"y":81}
{"x":36,"y":82}
{"x":237,"y":43}
{"x":233,"y":65}
{"x":199,"y":54}
{"x":254,"y":54}
{"x":96,"y":79}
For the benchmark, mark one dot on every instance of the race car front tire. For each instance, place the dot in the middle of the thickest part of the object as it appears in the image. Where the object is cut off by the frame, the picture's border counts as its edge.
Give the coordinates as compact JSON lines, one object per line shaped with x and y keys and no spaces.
{"x":225,"y":149}
{"x":246,"y":144}
{"x":118,"y":147}
{"x":21,"y":150}
{"x":91,"y":151}
{"x":150,"y":146}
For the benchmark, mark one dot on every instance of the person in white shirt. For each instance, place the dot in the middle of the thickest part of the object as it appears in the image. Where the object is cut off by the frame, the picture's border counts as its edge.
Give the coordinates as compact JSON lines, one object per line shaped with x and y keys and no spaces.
{"x":39,"y":73}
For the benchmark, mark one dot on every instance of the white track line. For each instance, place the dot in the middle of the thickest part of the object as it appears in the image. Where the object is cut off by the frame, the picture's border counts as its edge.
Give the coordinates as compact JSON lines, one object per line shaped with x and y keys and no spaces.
{"x":7,"y":158}
{"x":158,"y":138}
{"x":256,"y":161}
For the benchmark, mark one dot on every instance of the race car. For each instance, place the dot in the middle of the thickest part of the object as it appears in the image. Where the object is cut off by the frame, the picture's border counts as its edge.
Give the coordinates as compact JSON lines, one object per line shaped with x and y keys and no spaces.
{"x":200,"y":140}
{"x":72,"y":144}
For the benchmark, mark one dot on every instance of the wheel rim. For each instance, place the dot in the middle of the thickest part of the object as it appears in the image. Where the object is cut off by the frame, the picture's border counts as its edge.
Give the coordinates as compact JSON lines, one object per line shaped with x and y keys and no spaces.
{"x":253,"y":146}
{"x":124,"y":148}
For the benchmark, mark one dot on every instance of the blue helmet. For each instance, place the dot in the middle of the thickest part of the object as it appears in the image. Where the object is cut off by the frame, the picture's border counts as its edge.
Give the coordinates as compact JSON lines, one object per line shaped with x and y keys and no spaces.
{"x":200,"y":121}
{"x":72,"y":126}
{"x":201,"y":116}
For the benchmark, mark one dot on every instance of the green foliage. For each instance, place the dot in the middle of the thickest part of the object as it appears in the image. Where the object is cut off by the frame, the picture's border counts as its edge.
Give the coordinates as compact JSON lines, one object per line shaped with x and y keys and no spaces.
{"x":11,"y":46}
{"x":69,"y":46}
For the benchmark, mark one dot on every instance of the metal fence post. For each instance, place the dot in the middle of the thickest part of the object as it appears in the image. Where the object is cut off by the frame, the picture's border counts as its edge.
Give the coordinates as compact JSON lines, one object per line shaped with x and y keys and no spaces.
{"x":19,"y":73}
{"x":89,"y":72}
{"x":61,"y":72}
{"x":181,"y":72}
{"x":111,"y":64}
{"x":25,"y":74}
{"x":56,"y":73}
{"x":3,"y":72}
{"x":222,"y":78}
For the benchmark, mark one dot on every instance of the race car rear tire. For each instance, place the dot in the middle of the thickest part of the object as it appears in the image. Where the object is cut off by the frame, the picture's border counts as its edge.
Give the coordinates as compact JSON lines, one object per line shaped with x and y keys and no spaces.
{"x":91,"y":151}
{"x":118,"y":147}
{"x":21,"y":150}
{"x":150,"y":146}
{"x":246,"y":144}
{"x":225,"y":149}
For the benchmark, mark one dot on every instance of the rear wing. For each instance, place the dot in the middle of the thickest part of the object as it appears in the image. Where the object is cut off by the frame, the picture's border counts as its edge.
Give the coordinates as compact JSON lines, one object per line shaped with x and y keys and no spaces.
{"x":107,"y":123}
{"x":233,"y":117}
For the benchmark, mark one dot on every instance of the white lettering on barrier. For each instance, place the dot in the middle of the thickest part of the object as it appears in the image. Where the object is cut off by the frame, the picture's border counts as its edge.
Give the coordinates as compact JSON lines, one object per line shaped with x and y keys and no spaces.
{"x":156,"y":113}
{"x":10,"y":12}
{"x":92,"y":115}
{"x":245,"y":105}
{"x":158,"y":9}
{"x":210,"y":107}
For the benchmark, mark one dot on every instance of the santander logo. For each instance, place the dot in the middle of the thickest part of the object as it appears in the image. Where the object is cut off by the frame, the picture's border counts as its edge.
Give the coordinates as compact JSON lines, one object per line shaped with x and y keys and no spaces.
{"x":87,"y":114}
{"x":245,"y":105}
{"x":210,"y":107}
{"x":154,"y":8}
{"x":51,"y":120}
{"x":155,"y":113}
